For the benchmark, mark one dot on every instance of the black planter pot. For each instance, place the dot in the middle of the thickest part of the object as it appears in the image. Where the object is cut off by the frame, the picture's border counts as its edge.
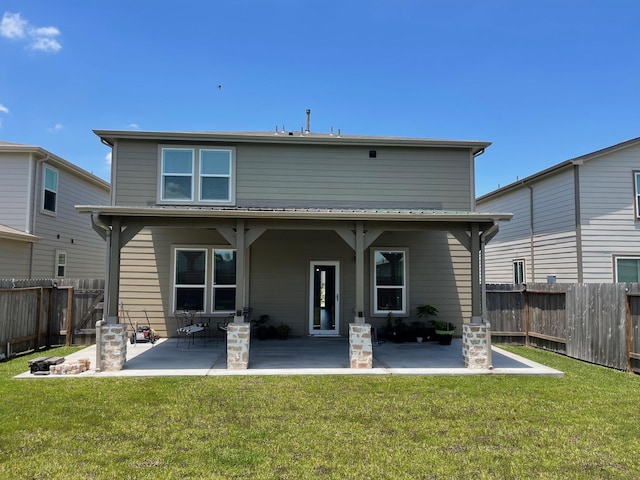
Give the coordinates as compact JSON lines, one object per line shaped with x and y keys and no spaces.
{"x":445,"y":338}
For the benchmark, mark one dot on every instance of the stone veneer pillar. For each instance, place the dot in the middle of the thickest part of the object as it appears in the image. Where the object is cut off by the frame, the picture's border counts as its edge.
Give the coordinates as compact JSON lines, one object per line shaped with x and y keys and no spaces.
{"x":113,"y":347}
{"x":238,"y":337}
{"x":476,"y":345}
{"x":360,"y":349}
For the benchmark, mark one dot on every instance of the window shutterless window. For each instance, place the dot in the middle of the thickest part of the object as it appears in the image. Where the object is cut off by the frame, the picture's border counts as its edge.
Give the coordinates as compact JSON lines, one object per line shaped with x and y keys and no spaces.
{"x":50,"y":189}
{"x":390,"y":281}
{"x":519,"y":272}
{"x":61,"y":263}
{"x":636,"y":193}
{"x":224,"y":281}
{"x":627,"y":269}
{"x":190,"y":279}
{"x":209,"y":180}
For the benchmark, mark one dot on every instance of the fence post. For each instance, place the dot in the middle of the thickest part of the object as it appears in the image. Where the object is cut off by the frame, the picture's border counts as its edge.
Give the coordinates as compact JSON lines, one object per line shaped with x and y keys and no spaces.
{"x":40,"y":297}
{"x":526,"y":317}
{"x":628,"y":331}
{"x":70,"y":325}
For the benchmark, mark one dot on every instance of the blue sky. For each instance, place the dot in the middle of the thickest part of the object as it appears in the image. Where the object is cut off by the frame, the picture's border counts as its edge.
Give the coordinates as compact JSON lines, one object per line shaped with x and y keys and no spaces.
{"x":544,"y":80}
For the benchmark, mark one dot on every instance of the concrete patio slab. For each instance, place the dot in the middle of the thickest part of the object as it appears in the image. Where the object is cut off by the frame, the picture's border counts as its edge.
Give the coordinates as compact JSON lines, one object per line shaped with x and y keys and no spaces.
{"x":301,"y":356}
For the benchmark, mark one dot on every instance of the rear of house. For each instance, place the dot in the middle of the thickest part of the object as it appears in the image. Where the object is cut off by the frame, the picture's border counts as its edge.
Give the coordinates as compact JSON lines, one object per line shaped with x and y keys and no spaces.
{"x":316,"y":231}
{"x":577,"y":221}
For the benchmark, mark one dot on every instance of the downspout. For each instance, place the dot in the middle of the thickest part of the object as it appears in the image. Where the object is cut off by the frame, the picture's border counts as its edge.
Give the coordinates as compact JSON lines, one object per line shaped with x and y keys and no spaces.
{"x":95,"y":219}
{"x":531,"y":243}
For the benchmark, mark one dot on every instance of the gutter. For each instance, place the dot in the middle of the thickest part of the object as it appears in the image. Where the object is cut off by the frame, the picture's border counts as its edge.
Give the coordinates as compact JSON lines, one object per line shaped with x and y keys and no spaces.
{"x":97,"y":222}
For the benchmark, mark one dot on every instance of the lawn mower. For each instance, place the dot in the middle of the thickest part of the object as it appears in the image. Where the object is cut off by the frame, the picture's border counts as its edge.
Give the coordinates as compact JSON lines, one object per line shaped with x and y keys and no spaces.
{"x":141,"y":333}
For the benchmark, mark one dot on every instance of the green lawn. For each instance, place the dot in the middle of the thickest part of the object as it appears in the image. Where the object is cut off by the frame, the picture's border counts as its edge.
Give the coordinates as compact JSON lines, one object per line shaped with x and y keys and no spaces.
{"x":585,"y":425}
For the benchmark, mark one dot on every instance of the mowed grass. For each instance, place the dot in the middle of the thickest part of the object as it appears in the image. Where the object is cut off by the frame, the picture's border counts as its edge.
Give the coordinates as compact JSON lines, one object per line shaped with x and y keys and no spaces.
{"x":585,"y":425}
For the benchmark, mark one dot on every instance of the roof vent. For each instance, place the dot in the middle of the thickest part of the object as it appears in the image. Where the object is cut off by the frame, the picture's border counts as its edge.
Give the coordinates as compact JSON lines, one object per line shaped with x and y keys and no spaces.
{"x":308,"y":129}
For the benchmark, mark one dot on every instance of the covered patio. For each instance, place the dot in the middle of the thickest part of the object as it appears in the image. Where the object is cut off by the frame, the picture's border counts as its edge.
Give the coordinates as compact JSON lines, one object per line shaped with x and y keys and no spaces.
{"x":303,"y":356}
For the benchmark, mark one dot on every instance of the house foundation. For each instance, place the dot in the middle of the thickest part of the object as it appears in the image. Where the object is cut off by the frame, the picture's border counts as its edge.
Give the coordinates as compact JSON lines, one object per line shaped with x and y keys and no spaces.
{"x":238,"y":338}
{"x":360,"y":347}
{"x":476,"y":345}
{"x":113,"y":347}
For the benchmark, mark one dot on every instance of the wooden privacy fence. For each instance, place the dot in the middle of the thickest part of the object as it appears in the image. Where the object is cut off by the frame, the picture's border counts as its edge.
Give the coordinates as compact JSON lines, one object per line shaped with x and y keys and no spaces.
{"x":597,"y":323}
{"x":41,"y":313}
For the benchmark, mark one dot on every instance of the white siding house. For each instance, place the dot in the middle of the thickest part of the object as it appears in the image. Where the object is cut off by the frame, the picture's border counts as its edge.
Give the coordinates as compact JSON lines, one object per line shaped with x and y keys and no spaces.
{"x":41,"y":234}
{"x":577,"y":221}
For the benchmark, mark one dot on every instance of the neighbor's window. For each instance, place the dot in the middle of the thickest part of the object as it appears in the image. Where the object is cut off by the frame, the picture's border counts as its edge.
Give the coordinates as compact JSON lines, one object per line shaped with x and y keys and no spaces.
{"x":519,"y":272}
{"x":61,"y":263}
{"x":210,"y":180}
{"x":177,"y":174}
{"x":390,"y":281}
{"x":224,"y":280}
{"x":190,"y":280}
{"x":636,"y":192}
{"x":627,"y":270}
{"x":50,"y":190}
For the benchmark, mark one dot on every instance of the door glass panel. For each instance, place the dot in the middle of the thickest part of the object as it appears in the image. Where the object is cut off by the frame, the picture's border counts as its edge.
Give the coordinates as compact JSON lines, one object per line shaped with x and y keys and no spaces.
{"x":324,"y":297}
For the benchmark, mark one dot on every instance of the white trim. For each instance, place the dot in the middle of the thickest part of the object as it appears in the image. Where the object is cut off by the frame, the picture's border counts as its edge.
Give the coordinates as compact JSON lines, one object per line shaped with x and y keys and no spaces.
{"x":213,"y":279}
{"x":524,"y":269}
{"x":57,"y":264}
{"x":44,"y":188}
{"x":615,"y":264}
{"x":175,"y":286}
{"x":196,"y":177}
{"x":336,"y":321}
{"x":374,"y":287}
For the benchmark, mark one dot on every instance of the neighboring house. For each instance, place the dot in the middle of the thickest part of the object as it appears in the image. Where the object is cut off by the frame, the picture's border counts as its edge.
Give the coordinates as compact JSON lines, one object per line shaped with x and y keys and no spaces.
{"x":317,"y":231}
{"x":578,"y":221}
{"x":41,"y":234}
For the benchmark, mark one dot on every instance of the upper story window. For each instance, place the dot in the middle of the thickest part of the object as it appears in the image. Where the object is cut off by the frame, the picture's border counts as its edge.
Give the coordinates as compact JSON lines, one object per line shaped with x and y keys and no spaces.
{"x":50,"y":190}
{"x":390,"y":281}
{"x":197,"y":175}
{"x":636,"y":193}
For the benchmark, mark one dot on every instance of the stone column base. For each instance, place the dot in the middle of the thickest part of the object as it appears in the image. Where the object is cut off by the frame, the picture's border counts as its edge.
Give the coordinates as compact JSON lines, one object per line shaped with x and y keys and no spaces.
{"x":113,"y":347}
{"x":238,"y":336}
{"x":360,"y":349}
{"x":476,"y":345}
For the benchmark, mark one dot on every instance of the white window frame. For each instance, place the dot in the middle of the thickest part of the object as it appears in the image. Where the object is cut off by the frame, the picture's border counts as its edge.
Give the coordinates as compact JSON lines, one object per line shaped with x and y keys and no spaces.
{"x":59,"y":264}
{"x":616,"y":258}
{"x":209,"y":279}
{"x":45,"y":189}
{"x":636,"y":193}
{"x":196,"y":175}
{"x":214,"y":286}
{"x":175,"y":285}
{"x":515,"y":263}
{"x":375,"y":287}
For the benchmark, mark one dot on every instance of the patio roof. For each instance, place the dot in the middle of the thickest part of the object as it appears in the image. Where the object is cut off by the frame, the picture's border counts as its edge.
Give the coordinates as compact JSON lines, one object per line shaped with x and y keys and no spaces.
{"x":410,"y":215}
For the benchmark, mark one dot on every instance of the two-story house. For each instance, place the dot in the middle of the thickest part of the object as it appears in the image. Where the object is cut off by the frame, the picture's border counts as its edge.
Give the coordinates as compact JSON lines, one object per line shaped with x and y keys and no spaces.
{"x":325,"y":233}
{"x":577,"y":221}
{"x":41,"y":234}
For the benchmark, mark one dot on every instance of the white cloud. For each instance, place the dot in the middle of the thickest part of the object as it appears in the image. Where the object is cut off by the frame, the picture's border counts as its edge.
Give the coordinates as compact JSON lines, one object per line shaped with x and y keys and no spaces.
{"x":56,"y":128}
{"x":12,"y":25}
{"x":40,"y":38}
{"x":3,"y":109}
{"x":108,"y":158}
{"x":135,"y":126}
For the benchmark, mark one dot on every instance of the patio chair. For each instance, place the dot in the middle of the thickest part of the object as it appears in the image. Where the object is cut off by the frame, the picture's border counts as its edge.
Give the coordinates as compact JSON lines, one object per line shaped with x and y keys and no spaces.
{"x":222,"y":328}
{"x":188,"y":328}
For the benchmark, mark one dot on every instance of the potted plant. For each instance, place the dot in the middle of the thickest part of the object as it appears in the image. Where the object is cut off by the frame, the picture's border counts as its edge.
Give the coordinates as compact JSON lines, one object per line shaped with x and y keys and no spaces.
{"x":444,"y":332}
{"x":261,"y":328}
{"x":427,"y":311}
{"x":283,"y":331}
{"x":395,"y":329}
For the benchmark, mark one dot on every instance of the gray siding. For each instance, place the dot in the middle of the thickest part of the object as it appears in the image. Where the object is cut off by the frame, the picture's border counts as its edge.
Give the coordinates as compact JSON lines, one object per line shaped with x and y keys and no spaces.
{"x":15,"y":259}
{"x":276,"y":176}
{"x":69,"y":231}
{"x":279,"y":285}
{"x":554,"y":239}
{"x":609,"y":226}
{"x":14,"y":190}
